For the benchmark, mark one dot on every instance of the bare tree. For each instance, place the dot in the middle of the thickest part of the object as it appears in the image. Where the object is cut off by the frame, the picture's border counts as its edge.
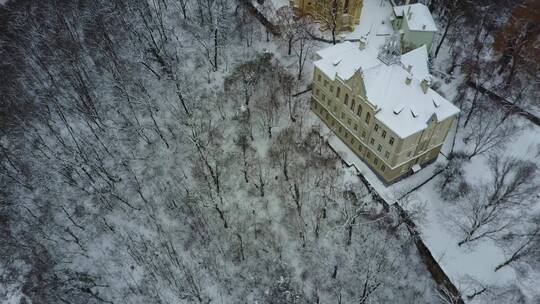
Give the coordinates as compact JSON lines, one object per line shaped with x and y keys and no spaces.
{"x":247,"y":151}
{"x":487,"y":211}
{"x":523,"y":246}
{"x":329,"y":16}
{"x":183,"y":7}
{"x":289,"y":26}
{"x":281,"y":151}
{"x":452,"y":183}
{"x":304,"y":44}
{"x":489,"y":132}
{"x":515,"y":41}
{"x":452,"y":12}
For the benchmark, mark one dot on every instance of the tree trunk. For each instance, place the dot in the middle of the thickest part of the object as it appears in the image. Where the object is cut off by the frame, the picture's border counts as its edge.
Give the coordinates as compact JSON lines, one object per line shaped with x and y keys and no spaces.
{"x":474,"y":103}
{"x":289,"y":51}
{"x":216,"y":49}
{"x":221,"y":216}
{"x":349,"y":238}
{"x":242,"y":257}
{"x":443,"y":36}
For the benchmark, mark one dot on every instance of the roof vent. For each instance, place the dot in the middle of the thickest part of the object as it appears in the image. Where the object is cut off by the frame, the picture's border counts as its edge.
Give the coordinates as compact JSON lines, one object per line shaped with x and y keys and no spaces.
{"x":335,"y":63}
{"x":423,"y":26}
{"x":408,"y":79}
{"x":436,"y":103}
{"x":414,"y":113}
{"x":426,"y":82}
{"x":398,"y":109}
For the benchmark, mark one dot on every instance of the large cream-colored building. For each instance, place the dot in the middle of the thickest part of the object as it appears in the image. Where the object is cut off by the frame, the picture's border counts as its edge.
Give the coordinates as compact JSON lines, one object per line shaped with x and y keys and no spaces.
{"x":345,"y":14}
{"x":381,"y":105}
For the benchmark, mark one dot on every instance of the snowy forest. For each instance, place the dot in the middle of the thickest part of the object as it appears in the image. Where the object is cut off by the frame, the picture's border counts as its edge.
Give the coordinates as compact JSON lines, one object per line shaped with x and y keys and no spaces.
{"x":163,"y":151}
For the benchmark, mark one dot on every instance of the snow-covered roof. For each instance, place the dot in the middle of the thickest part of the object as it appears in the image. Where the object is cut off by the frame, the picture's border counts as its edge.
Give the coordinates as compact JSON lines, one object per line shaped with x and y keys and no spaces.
{"x":403,"y":107}
{"x":418,"y":17}
{"x":417,"y":59}
{"x":349,"y":57}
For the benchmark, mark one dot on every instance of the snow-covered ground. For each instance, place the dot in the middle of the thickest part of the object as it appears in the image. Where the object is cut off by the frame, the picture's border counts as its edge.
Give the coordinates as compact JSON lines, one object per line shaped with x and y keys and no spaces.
{"x":462,"y":264}
{"x":465,"y":264}
{"x":478,"y":261}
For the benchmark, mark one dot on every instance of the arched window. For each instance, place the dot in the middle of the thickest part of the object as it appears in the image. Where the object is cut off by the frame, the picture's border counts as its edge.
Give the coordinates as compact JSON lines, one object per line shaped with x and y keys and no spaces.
{"x":353,"y":104}
{"x":346,"y":99}
{"x":359,"y":111}
{"x":338,"y":91}
{"x":368,"y":117}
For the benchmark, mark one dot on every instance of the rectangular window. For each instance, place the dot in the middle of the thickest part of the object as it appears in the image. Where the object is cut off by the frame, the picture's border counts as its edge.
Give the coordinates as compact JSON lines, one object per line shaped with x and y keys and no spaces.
{"x":386,"y":154}
{"x":375,"y":161}
{"x":363,"y":134}
{"x":383,"y":167}
{"x":376,"y":127}
{"x":346,"y":99}
{"x":383,"y":134}
{"x":317,"y":92}
{"x":353,"y":104}
{"x":409,"y":154}
{"x":368,"y":155}
{"x":372,"y":141}
{"x":325,"y":83}
{"x":368,"y":116}
{"x":379,"y":148}
{"x":342,"y":115}
{"x":323,"y":97}
{"x":356,"y":127}
{"x":319,"y":78}
{"x":391,"y":141}
{"x":349,"y":121}
{"x":331,"y":88}
{"x":347,"y":135}
{"x":338,"y":91}
{"x":359,"y":148}
{"x":340,"y":129}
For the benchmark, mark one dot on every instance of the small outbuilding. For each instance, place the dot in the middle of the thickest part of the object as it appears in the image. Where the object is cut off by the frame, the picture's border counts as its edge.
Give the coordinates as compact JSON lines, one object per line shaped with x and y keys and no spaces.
{"x":415,"y":24}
